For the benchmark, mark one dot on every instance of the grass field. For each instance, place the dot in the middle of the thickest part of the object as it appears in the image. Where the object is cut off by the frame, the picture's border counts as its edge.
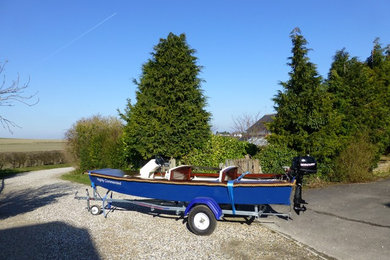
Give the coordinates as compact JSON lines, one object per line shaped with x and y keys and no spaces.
{"x":30,"y":145}
{"x":76,"y":176}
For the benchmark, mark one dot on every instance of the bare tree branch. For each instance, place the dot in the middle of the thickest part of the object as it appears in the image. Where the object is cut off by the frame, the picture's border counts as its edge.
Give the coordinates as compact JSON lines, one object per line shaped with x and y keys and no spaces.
{"x":243,"y":122}
{"x":12,"y":94}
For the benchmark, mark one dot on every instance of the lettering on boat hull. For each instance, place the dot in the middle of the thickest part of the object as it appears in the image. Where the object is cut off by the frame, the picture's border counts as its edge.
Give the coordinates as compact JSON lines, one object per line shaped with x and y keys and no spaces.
{"x":108,"y":181}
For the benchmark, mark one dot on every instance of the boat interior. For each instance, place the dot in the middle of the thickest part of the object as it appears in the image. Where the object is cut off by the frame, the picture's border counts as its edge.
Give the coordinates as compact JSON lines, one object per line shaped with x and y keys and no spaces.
{"x":152,"y":170}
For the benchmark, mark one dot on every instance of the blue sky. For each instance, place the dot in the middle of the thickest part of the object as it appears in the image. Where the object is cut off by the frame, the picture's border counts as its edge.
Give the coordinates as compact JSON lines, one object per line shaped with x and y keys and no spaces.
{"x":81,"y":56}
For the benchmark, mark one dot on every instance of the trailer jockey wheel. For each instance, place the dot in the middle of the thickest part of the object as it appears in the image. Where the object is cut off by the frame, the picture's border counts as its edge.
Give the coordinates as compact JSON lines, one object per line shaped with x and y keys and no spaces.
{"x":95,"y":210}
{"x":201,"y":220}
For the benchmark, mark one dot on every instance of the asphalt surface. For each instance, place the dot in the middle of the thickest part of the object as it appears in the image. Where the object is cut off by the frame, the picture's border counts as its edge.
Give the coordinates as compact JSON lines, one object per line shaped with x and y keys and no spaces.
{"x":349,"y":221}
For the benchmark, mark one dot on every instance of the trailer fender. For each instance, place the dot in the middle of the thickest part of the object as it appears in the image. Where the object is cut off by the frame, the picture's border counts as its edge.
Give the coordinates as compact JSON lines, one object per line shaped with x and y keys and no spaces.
{"x":209,"y":202}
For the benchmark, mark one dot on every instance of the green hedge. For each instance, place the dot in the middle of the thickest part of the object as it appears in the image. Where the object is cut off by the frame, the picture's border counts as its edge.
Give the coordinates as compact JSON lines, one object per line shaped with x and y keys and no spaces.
{"x":356,"y":161}
{"x":96,"y":142}
{"x":217,"y":150}
{"x":15,"y":160}
{"x":274,"y":157}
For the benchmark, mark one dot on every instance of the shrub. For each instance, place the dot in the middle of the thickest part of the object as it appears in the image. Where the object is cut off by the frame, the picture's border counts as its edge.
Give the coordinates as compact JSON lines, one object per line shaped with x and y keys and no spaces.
{"x":96,"y":143}
{"x":217,"y":150}
{"x":356,"y":162}
{"x":29,"y":159}
{"x":274,"y":157}
{"x":3,"y":161}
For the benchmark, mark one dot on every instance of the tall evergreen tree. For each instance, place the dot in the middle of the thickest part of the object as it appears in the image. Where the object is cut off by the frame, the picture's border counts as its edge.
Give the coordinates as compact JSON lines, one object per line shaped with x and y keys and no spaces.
{"x":362,"y":94}
{"x":169,"y":117}
{"x":305,"y":120}
{"x":349,"y":80}
{"x":385,"y":80}
{"x":379,"y":123}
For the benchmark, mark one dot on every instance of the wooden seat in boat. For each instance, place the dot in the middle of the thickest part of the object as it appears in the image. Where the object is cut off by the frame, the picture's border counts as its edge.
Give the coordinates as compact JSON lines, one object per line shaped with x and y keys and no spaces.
{"x":228,"y":173}
{"x":180,"y":173}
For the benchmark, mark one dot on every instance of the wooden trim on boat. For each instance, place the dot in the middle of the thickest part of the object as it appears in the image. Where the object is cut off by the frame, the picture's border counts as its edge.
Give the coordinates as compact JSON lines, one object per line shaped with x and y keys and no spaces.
{"x":216,"y":175}
{"x":196,"y":183}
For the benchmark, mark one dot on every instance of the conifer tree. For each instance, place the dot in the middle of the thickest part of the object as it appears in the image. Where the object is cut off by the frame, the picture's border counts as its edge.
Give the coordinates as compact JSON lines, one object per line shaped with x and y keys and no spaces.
{"x":350,"y":81}
{"x":379,"y":62}
{"x":362,"y":95}
{"x":169,"y":116}
{"x":379,"y":105}
{"x":305,"y":120}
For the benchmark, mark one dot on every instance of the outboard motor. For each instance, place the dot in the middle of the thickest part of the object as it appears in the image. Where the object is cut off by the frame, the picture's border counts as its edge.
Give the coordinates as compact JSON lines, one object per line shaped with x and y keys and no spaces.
{"x":301,"y":166}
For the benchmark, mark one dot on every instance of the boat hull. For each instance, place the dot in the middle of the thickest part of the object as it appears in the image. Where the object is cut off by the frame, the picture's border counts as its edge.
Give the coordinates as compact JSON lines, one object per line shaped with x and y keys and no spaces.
{"x":254,"y":193}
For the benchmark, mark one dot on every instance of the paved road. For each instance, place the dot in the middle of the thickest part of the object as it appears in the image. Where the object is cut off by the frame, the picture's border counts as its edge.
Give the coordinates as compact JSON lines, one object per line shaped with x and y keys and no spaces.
{"x":344,"y":221}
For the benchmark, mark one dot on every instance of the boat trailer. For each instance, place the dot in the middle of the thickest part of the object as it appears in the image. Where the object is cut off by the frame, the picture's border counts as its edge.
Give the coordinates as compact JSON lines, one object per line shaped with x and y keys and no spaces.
{"x":202,"y":212}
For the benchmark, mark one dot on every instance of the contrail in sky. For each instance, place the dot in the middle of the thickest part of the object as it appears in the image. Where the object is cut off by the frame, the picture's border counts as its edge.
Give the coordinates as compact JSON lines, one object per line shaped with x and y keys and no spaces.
{"x":78,"y":37}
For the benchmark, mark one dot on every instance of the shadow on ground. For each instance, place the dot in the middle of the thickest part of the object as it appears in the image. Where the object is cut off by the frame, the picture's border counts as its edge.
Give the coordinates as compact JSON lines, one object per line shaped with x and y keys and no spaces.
{"x":54,"y":240}
{"x":22,"y":201}
{"x":2,"y":185}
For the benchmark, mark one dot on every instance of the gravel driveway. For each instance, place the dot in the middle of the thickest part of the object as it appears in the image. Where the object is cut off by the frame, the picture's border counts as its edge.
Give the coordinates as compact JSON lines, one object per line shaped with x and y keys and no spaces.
{"x":40,"y":219}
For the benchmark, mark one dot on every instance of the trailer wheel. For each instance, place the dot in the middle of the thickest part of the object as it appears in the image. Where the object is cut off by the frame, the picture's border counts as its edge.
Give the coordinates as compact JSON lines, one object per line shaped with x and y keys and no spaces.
{"x":201,"y":220}
{"x":95,"y":210}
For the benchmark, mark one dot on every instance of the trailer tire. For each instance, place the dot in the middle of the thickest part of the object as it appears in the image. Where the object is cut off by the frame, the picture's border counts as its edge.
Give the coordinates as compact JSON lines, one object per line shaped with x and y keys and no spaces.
{"x":201,"y":220}
{"x":95,"y":210}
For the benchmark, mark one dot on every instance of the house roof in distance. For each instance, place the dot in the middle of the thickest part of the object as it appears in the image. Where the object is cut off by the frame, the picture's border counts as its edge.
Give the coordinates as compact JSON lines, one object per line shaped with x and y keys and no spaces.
{"x":259,"y":126}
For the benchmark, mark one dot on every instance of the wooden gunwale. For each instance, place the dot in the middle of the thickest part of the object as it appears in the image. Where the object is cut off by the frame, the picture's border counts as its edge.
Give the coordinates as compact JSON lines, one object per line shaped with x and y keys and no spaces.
{"x":279,"y":183}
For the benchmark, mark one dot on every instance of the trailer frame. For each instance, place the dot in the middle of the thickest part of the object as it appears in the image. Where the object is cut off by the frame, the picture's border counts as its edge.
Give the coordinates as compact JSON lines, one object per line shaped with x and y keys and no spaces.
{"x":178,"y":208}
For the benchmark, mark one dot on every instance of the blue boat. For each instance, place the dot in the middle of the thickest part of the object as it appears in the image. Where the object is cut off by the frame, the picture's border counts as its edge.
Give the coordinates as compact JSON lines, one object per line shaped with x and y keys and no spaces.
{"x":203,"y":197}
{"x":183,"y":185}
